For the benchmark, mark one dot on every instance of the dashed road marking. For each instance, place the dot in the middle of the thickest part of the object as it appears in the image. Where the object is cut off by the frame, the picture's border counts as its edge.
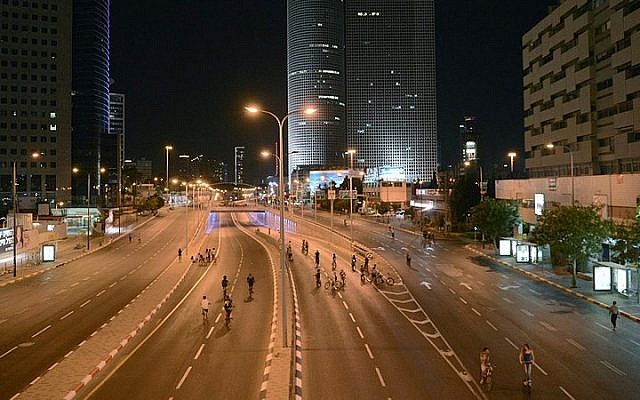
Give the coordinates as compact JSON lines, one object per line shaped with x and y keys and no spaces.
{"x":100,"y":293}
{"x":85,"y":303}
{"x":634,"y":342}
{"x":463,"y":300}
{"x":66,"y":315}
{"x":352,"y":318}
{"x":613,"y":368}
{"x":538,"y":293}
{"x":452,"y":291}
{"x":507,"y":300}
{"x":476,"y":312}
{"x":548,"y":326}
{"x":491,"y":325}
{"x":199,"y":351}
{"x":210,"y":332}
{"x":602,"y":326}
{"x":576,"y":344}
{"x":566,"y":393}
{"x":366,"y":346}
{"x":184,"y":377}
{"x":74,"y":284}
{"x":345,"y":304}
{"x":41,"y":331}
{"x":380,"y":378}
{"x":540,"y":369}
{"x":526,"y":312}
{"x":359,"y":332}
{"x":511,"y":343}
{"x":52,"y":367}
{"x":8,"y":351}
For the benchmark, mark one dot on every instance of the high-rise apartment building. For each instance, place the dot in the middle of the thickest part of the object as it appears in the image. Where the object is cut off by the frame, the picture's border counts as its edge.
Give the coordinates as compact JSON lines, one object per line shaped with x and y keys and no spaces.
{"x":113,"y":147}
{"x":35,"y":101}
{"x":239,"y":157}
{"x":582,"y":89}
{"x":90,"y":91}
{"x":469,"y":138}
{"x":315,"y":73}
{"x":391,"y":84}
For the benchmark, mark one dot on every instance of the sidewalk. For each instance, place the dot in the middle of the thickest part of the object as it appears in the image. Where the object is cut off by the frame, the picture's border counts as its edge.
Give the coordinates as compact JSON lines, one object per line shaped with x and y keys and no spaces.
{"x":67,"y":250}
{"x":546,"y":273}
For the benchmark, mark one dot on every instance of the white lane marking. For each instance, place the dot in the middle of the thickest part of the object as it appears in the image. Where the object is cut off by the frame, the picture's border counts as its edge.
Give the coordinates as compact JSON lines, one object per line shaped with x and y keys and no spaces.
{"x":634,"y":342}
{"x":466,"y":285}
{"x":15,"y":396}
{"x":345,"y":305}
{"x":199,"y":351}
{"x":81,"y":343}
{"x":61,"y":291}
{"x":66,"y":315}
{"x":41,"y":331}
{"x":463,"y":300}
{"x":184,"y":377}
{"x":540,"y":369}
{"x":526,"y":312}
{"x":68,"y":354}
{"x":452,"y":291}
{"x":612,"y":368}
{"x":34,"y":381}
{"x":85,"y":303}
{"x":567,"y":393}
{"x":352,"y":318}
{"x":52,"y":367}
{"x":360,"y":332}
{"x":339,"y":294}
{"x":2,"y":321}
{"x":380,"y":377}
{"x":576,"y":344}
{"x":491,"y":325}
{"x":427,"y":268}
{"x":100,"y":293}
{"x":113,"y":284}
{"x":426,"y":284}
{"x":538,"y":293}
{"x":366,"y":346}
{"x":507,"y":287}
{"x":507,"y":300}
{"x":8,"y":351}
{"x":548,"y":326}
{"x":476,"y":312}
{"x":602,"y":326}
{"x":511,"y":343}
{"x":74,"y":284}
{"x":218,"y":318}
{"x":210,"y":332}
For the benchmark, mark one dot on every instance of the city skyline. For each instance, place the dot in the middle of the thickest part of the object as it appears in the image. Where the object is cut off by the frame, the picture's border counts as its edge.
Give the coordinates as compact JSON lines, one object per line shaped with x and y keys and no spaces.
{"x":194,"y":110}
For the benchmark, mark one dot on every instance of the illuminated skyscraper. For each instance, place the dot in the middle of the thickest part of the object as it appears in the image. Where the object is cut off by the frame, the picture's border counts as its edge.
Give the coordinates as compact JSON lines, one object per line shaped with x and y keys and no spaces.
{"x":391,"y":84}
{"x":315,"y":73}
{"x":90,"y":95}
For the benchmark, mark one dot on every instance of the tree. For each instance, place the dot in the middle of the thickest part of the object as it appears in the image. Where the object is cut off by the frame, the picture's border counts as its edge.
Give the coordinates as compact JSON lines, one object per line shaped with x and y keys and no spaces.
{"x":383,"y":207}
{"x":495,"y":219}
{"x":576,"y":232}
{"x":627,"y":242}
{"x":465,"y":194}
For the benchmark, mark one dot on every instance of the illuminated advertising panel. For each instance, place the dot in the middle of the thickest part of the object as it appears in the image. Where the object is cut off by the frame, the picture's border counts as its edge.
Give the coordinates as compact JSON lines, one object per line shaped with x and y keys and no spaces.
{"x":601,"y":278}
{"x":6,"y":240}
{"x":48,"y":252}
{"x":321,"y":180}
{"x":522,"y":253}
{"x":505,"y":247}
{"x":538,"y":201}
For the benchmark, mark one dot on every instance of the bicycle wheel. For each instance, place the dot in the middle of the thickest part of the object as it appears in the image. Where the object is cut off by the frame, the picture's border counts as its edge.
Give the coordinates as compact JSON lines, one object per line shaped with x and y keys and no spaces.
{"x":339,"y":285}
{"x":390,"y":281}
{"x":327,"y":285}
{"x":379,"y":280}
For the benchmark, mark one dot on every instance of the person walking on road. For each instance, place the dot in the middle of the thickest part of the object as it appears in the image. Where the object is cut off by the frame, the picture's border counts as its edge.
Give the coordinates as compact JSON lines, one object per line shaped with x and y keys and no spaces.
{"x":614,"y":312}
{"x":179,"y":254}
{"x":205,"y":307}
{"x":526,"y":360}
{"x":317,"y":258}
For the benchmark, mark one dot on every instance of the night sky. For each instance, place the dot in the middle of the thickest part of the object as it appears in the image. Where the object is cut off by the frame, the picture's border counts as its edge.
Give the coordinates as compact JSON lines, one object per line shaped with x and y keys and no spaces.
{"x":189,"y":67}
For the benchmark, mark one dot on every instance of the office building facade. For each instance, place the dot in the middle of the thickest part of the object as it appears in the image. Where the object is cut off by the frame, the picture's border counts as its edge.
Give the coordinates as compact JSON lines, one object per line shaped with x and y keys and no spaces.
{"x":582,"y":90}
{"x":391,"y":85}
{"x":35,"y":101}
{"x":315,"y":77}
{"x":239,"y":157}
{"x":90,"y":92}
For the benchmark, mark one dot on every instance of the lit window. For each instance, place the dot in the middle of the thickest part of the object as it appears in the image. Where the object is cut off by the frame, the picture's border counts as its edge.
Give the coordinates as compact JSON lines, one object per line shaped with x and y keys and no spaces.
{"x":53,"y":127}
{"x":52,"y":115}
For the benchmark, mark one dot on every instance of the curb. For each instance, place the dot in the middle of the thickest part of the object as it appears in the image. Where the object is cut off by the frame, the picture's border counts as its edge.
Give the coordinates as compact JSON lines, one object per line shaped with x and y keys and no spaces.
{"x":72,"y":393}
{"x":555,"y":285}
{"x":297,"y":343}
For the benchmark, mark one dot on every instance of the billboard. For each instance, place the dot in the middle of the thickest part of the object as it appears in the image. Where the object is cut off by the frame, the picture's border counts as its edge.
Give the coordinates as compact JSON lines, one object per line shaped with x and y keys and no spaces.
{"x":321,"y":180}
{"x":538,"y":203}
{"x":6,"y":239}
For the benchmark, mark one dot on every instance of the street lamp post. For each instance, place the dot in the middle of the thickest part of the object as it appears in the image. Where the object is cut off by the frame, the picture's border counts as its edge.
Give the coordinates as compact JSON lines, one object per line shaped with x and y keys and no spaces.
{"x":351,"y":153}
{"x":281,"y":122}
{"x":166,"y":181}
{"x":573,"y":193}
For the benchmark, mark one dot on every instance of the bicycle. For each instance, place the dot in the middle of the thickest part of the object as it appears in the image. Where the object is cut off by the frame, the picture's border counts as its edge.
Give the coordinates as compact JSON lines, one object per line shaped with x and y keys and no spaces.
{"x":227,"y":319}
{"x":380,"y":279}
{"x":486,"y":379}
{"x":333,"y":285}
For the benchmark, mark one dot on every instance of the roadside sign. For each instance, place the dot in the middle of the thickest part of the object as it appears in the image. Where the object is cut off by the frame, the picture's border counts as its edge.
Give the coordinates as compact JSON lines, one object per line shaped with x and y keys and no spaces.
{"x":331,"y":194}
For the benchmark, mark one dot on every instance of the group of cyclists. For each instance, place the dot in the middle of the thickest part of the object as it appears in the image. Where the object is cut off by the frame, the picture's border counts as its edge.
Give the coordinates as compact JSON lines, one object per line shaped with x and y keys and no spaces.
{"x":228,"y":302}
{"x":526,"y":358}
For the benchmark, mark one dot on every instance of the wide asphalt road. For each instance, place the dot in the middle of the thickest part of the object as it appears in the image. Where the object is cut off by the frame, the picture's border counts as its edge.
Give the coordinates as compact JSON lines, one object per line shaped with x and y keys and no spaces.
{"x":45,"y":317}
{"x":476,"y":302}
{"x":186,"y":357}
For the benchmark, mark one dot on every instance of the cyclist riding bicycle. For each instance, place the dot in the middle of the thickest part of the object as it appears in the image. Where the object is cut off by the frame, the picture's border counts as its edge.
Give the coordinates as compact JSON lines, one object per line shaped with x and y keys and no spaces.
{"x":334,"y":264}
{"x":374,"y":273}
{"x":205,"y":307}
{"x":408,"y":260}
{"x":228,"y":307}
{"x":224,"y":283}
{"x":527,"y":359}
{"x":353,"y":263}
{"x":485,"y":364}
{"x":317,"y":257}
{"x":318,"y":282}
{"x":250,"y":281}
{"x":343,"y":276}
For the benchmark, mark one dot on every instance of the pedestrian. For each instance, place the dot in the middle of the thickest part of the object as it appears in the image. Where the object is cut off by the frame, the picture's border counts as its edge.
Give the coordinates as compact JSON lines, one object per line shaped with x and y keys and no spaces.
{"x":527,"y":359}
{"x":129,"y":238}
{"x":614,"y":312}
{"x":179,"y":254}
